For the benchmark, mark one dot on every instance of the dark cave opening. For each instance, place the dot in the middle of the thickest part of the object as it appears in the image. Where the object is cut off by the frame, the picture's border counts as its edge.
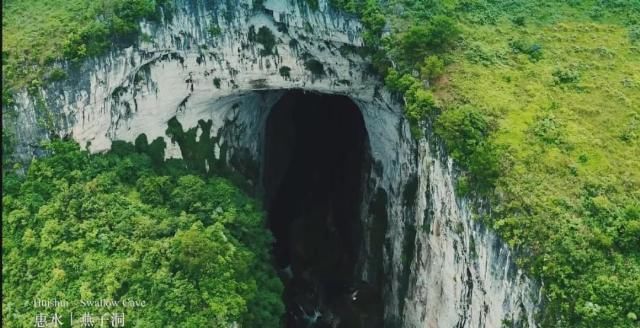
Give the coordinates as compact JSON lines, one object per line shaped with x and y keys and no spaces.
{"x":315,"y":153}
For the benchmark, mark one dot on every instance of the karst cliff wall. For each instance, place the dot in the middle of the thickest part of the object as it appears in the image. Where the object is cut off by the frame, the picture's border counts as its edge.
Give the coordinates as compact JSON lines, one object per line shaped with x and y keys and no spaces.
{"x":207,"y":63}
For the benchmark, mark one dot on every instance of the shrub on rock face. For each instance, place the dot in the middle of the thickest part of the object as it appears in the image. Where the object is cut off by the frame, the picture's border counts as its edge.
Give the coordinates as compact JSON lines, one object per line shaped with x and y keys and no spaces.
{"x":215,"y":31}
{"x":285,"y":72}
{"x":57,"y":74}
{"x":463,"y":129}
{"x":419,"y":103}
{"x":315,"y":67}
{"x":313,"y":4}
{"x":266,"y":38}
{"x":466,"y":131}
{"x":399,"y":82}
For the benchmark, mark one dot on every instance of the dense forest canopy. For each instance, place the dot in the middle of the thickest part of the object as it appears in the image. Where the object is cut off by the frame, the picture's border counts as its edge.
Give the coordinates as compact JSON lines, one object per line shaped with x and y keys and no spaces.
{"x":122,"y":227}
{"x":538,"y":103}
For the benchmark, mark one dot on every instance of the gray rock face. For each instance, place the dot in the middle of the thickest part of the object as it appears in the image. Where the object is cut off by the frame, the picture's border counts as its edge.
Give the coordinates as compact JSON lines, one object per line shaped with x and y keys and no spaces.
{"x":436,"y":267}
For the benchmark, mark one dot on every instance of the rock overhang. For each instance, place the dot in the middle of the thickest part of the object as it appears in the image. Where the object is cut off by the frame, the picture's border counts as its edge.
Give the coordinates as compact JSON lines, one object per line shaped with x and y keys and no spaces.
{"x":180,"y":65}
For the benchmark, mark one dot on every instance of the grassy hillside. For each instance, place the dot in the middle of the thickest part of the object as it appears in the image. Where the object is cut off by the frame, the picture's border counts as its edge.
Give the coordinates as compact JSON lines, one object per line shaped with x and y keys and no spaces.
{"x":37,"y":33}
{"x":571,"y":124}
{"x":539,"y":103}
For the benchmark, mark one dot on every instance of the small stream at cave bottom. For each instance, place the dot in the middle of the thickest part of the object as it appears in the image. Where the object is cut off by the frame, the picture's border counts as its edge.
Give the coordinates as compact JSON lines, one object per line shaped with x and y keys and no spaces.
{"x":315,"y":152}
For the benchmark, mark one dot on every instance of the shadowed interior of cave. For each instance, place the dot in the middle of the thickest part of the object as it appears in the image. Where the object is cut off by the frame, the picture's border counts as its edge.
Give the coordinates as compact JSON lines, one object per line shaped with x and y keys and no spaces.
{"x":314,"y":158}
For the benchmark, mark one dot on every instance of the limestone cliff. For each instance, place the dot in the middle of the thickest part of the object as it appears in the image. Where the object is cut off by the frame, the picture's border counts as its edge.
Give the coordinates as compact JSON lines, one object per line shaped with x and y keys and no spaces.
{"x":222,"y":67}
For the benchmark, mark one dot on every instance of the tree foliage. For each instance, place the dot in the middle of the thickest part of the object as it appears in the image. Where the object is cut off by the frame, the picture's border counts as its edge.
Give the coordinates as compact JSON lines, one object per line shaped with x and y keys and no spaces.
{"x":112,"y":226}
{"x":419,"y":102}
{"x":431,"y":68}
{"x":420,"y":40}
{"x":466,"y":133}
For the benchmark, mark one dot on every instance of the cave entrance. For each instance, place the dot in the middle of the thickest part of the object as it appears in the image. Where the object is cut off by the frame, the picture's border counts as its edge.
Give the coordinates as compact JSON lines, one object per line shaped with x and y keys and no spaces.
{"x":315,"y":150}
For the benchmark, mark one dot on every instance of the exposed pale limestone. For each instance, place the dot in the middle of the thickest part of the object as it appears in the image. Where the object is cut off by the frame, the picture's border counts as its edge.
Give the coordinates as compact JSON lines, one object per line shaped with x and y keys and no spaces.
{"x":457,"y":275}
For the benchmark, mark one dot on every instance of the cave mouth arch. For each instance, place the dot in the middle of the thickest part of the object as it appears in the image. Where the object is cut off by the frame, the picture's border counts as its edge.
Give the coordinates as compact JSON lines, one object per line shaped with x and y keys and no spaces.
{"x":315,"y":154}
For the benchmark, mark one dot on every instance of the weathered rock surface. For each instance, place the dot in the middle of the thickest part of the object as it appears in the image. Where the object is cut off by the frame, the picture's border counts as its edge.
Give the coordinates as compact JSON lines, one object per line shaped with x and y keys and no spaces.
{"x":435,"y":266}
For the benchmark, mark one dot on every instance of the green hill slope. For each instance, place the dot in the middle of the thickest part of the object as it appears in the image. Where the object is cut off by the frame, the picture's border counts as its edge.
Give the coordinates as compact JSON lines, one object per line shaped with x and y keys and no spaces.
{"x":570,"y":122}
{"x":539,"y":103}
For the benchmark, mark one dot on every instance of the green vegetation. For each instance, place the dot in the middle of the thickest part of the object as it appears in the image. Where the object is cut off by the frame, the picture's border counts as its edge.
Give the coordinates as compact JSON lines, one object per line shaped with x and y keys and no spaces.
{"x":315,"y":67}
{"x":285,"y":72}
{"x":121,"y":226}
{"x":466,"y":132}
{"x":57,"y":74}
{"x":431,"y":68}
{"x":214,"y":31}
{"x":531,"y":49}
{"x":313,"y":4}
{"x":37,"y":33}
{"x":265,"y":37}
{"x":537,"y":101}
{"x":420,"y":103}
{"x":437,"y":35}
{"x":571,"y":196}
